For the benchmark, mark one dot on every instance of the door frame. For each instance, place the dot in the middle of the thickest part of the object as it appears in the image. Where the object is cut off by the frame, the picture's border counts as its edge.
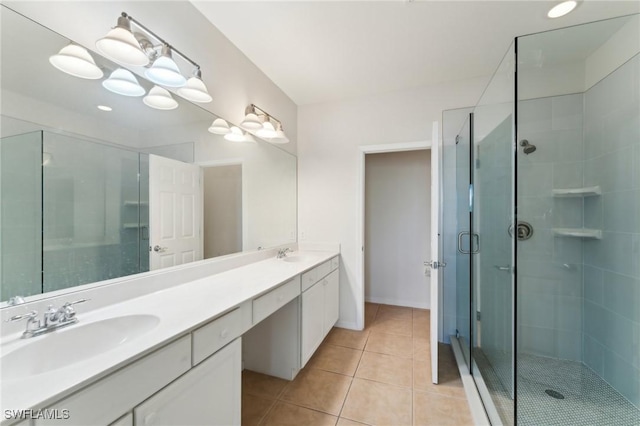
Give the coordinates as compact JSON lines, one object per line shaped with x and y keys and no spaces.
{"x":363,"y":150}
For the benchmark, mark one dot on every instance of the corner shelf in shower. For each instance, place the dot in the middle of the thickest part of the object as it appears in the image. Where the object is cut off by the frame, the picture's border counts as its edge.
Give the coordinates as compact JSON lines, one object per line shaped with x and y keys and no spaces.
{"x":588,"y":191}
{"x":578,"y":233}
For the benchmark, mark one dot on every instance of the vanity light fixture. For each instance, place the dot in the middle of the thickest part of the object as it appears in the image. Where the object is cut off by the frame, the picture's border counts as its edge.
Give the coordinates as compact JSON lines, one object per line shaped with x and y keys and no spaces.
{"x":219,"y":127}
{"x":123,"y":82}
{"x":165,"y":71}
{"x":280,"y":137}
{"x":76,"y":61}
{"x":562,"y":9}
{"x":195,"y":90}
{"x":264,"y":125}
{"x":143,"y":47}
{"x":120,"y":45}
{"x":160,"y":98}
{"x":251,"y":120}
{"x":235,"y":135}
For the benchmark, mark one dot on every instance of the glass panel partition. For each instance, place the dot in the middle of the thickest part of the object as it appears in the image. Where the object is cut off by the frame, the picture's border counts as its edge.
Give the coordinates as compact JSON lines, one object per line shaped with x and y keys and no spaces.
{"x":492,"y":167}
{"x":579,"y":187}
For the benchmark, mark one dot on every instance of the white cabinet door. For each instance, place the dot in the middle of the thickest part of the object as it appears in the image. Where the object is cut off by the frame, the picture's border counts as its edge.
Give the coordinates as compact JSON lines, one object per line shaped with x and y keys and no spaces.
{"x":331,"y":285}
{"x":312,"y":321}
{"x":209,"y":394}
{"x":175,"y":212}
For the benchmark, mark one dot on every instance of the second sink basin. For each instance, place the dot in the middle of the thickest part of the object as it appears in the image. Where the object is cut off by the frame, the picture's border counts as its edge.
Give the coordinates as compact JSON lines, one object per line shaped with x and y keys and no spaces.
{"x":76,"y":343}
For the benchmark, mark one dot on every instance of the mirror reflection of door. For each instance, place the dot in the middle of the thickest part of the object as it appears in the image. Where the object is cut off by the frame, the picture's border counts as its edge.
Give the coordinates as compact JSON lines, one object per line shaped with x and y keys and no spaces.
{"x":175,"y":222}
{"x":222,"y":222}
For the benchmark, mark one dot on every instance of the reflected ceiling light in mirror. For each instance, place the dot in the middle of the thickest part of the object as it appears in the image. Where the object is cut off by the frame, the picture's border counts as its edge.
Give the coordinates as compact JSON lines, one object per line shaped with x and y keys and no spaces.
{"x":195,"y":90}
{"x":76,"y":61}
{"x":562,"y":9}
{"x":121,"y":45}
{"x":105,"y":108}
{"x":219,"y":127}
{"x":280,"y":137}
{"x":165,"y":71}
{"x":124,"y":83}
{"x":235,"y":135}
{"x":160,"y":98}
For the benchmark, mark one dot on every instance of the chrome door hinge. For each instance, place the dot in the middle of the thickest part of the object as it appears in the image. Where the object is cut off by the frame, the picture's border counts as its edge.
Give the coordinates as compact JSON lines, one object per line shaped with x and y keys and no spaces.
{"x":434,"y":264}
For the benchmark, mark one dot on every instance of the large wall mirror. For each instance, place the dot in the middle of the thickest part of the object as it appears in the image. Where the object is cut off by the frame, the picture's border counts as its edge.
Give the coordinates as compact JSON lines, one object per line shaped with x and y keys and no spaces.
{"x":89,"y":194}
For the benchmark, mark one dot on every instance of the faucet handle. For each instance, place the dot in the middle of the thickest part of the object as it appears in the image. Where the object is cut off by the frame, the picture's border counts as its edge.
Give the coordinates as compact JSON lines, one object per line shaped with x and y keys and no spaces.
{"x":31,"y":315}
{"x":67,"y":309}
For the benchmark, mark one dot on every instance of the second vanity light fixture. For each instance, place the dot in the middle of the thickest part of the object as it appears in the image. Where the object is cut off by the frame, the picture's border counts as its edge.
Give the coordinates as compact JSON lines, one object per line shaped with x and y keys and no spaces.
{"x":137,"y":49}
{"x":258,"y":120}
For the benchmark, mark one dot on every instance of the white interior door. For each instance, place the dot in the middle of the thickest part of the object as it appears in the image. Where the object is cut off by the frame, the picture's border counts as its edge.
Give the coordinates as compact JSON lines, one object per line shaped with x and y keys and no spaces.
{"x":436,"y":246}
{"x":175,"y":212}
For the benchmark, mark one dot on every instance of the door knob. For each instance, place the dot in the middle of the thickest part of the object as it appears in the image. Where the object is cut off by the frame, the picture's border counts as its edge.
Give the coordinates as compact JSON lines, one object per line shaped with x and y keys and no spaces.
{"x":159,"y":249}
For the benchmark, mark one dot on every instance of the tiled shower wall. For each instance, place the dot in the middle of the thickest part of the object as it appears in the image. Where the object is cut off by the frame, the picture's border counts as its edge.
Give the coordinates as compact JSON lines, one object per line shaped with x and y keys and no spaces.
{"x":550,"y":268}
{"x":612,"y":265}
{"x":580,"y":299}
{"x":21,"y":216}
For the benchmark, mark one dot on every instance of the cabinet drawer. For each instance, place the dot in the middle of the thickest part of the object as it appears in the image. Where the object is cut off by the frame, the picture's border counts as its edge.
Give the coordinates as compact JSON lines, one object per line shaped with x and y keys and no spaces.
{"x":211,"y":337}
{"x":106,"y":400}
{"x":335,"y":263}
{"x":323,"y":269}
{"x":268,"y":303}
{"x":309,"y":278}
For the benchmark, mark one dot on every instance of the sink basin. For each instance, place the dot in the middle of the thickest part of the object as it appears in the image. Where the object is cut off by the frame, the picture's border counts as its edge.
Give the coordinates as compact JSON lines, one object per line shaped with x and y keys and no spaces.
{"x":78,"y":342}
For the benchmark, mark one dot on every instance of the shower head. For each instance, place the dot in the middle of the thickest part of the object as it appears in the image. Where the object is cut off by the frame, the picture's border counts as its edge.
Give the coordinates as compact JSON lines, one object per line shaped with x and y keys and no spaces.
{"x":527,"y":148}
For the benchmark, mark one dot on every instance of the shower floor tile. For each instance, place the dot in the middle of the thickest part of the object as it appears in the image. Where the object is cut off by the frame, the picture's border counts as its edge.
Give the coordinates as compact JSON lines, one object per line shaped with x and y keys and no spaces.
{"x":588,"y":399}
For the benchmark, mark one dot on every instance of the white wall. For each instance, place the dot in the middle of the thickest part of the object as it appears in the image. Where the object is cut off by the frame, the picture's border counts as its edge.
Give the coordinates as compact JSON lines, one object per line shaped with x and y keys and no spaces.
{"x":397,"y":228}
{"x":222,"y":210}
{"x":232,"y":79}
{"x":329,"y":135}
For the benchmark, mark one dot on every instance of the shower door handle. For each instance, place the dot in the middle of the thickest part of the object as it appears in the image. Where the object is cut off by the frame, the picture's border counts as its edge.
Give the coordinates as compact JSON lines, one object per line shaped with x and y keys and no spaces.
{"x":460,"y":235}
{"x":473,"y":236}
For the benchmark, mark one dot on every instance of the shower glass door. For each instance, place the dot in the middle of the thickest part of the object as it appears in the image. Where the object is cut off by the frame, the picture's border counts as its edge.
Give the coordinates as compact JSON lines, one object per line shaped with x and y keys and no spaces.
{"x":492,"y":216}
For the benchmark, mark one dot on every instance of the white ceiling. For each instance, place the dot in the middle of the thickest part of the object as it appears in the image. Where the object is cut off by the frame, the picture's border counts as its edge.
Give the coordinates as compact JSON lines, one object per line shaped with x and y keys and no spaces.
{"x":329,"y":50}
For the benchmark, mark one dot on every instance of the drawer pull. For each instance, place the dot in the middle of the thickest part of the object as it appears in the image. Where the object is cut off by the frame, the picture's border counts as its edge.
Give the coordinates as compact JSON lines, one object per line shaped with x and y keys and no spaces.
{"x":224,"y":333}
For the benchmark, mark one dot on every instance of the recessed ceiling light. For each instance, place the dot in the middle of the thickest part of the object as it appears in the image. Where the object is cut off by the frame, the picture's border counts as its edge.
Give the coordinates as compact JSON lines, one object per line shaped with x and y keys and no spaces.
{"x":104,"y":108}
{"x":562,"y":9}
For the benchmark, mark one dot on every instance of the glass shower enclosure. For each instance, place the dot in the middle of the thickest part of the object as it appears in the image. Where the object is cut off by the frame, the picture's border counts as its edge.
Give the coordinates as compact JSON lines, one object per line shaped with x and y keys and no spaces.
{"x":547,"y":280}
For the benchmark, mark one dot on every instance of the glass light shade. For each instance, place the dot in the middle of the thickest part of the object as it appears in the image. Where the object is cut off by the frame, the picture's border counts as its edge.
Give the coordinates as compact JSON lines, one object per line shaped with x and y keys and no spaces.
{"x":562,"y":9}
{"x":235,"y":135}
{"x":280,"y":137}
{"x":248,"y":137}
{"x":121,"y":46}
{"x":251,"y":121}
{"x":267,"y":131}
{"x":76,"y":61}
{"x":165,"y":72}
{"x":123,"y":82}
{"x":219,"y":127}
{"x":195,"y":91}
{"x":160,"y":98}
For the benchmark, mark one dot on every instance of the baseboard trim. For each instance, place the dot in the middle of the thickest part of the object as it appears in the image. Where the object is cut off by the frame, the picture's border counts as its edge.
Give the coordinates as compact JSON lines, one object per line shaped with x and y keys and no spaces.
{"x":396,"y":302}
{"x":348,"y":325}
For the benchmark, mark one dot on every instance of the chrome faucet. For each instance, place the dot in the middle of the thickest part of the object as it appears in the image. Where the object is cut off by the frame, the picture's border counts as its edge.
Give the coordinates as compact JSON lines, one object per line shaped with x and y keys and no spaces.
{"x":52,"y":319}
{"x":283,"y":252}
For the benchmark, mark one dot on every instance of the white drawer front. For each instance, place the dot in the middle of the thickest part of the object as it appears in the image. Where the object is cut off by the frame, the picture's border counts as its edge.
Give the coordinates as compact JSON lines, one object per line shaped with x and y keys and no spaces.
{"x":211,"y":337}
{"x":323,"y":269}
{"x":106,"y":400}
{"x":335,"y":263}
{"x":268,"y":303}
{"x":309,"y":278}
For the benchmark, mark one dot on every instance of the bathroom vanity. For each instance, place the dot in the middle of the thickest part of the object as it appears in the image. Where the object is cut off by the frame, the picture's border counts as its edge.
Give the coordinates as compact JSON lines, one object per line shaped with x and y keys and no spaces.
{"x":175,"y":356}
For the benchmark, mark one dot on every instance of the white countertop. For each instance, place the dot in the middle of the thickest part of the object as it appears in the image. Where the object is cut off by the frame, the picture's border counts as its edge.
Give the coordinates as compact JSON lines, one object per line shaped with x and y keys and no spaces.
{"x":181,"y":309}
